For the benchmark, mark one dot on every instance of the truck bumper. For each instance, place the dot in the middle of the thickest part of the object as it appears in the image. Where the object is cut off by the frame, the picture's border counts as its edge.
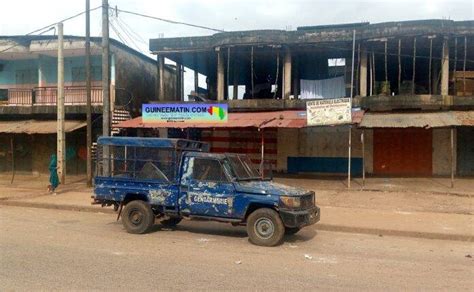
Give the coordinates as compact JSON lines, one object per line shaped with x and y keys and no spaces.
{"x":300,"y":219}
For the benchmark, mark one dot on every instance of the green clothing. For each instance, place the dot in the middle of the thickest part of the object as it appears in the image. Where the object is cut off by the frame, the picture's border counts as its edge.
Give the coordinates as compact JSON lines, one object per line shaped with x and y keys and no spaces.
{"x":53,"y":174}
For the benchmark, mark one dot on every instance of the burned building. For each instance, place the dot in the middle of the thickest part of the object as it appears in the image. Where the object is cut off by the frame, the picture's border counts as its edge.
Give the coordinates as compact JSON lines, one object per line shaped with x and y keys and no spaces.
{"x":406,"y":68}
{"x":396,"y":58}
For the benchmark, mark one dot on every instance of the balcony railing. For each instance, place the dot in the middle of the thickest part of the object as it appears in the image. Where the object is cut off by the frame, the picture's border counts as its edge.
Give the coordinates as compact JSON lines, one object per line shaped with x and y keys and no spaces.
{"x":73,"y":95}
{"x":20,"y":96}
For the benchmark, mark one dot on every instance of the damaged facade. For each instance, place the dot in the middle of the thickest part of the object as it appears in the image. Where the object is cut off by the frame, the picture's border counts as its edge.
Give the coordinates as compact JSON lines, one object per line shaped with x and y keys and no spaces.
{"x":412,"y":67}
{"x":28,"y":93}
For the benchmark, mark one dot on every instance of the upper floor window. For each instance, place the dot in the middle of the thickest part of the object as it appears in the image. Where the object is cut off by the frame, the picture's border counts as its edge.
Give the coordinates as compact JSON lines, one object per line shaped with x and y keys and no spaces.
{"x":26,"y":77}
{"x":79,"y":73}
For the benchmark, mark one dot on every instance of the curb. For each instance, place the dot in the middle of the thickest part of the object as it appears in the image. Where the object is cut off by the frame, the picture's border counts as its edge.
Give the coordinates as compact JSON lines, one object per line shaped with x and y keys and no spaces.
{"x":436,"y":193}
{"x":387,"y":232}
{"x":318,"y":226}
{"x":56,"y":207}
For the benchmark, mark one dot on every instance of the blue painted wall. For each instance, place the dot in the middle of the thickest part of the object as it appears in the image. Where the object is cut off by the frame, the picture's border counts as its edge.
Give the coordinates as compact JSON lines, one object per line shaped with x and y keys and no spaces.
{"x":324,"y":165}
{"x":7,"y":75}
{"x":49,"y":69}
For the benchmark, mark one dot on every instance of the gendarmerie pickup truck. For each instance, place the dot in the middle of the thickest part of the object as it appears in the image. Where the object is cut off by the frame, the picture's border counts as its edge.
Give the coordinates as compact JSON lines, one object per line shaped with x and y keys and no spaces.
{"x":173,"y":179}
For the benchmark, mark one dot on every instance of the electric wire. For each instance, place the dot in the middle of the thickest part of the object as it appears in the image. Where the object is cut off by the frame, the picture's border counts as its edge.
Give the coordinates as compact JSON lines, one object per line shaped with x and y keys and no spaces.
{"x":125,"y":36}
{"x":126,"y":33}
{"x":168,"y":20}
{"x":118,"y":34}
{"x":137,"y":36}
{"x":53,"y":24}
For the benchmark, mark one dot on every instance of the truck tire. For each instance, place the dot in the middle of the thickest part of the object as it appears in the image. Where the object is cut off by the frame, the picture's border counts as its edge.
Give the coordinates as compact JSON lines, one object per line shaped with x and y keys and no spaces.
{"x":137,"y":217}
{"x":291,"y":230}
{"x":170,"y":222}
{"x":265,"y":228}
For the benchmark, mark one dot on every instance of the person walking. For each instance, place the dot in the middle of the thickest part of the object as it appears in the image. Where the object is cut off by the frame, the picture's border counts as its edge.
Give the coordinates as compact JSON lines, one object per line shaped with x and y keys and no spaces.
{"x":53,"y":173}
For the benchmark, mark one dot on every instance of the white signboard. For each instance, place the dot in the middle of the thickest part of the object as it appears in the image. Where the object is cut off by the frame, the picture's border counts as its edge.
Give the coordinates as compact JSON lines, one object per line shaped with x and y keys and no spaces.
{"x":328,"y":112}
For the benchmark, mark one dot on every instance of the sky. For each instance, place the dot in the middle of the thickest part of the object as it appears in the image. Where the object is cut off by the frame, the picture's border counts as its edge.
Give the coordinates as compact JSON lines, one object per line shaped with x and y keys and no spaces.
{"x":21,"y":17}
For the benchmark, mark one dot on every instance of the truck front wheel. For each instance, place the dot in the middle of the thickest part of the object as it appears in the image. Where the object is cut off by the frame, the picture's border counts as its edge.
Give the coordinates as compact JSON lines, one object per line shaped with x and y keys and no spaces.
{"x":138,"y":217}
{"x":265,"y":228}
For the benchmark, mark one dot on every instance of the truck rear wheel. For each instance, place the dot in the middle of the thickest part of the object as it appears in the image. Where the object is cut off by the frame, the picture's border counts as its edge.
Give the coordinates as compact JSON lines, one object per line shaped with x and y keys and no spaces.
{"x":137,"y":217}
{"x":265,"y":228}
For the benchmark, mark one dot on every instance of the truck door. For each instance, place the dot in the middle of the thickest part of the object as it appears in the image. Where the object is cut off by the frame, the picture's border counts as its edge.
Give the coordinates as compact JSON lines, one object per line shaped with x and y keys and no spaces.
{"x":206,"y":189}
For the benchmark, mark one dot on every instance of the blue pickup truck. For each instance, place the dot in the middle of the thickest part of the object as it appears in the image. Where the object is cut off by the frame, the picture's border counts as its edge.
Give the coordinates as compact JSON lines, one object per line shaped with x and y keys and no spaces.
{"x":174,"y":179}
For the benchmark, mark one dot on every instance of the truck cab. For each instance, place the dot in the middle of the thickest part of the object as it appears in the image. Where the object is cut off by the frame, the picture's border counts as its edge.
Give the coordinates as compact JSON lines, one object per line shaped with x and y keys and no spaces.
{"x":174,"y":179}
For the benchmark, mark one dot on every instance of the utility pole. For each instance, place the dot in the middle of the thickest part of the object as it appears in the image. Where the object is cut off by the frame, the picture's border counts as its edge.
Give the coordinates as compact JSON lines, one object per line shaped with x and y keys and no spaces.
{"x":105,"y":83}
{"x":61,"y":136}
{"x":349,"y":154}
{"x":88,"y":96}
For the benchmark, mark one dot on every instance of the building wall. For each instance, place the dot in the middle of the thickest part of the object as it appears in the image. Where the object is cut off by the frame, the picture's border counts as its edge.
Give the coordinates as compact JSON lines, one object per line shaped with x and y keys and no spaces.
{"x":369,"y":150}
{"x":22,"y":152}
{"x":465,"y":151}
{"x":33,"y":153}
{"x":43,"y":71}
{"x":135,"y":76}
{"x":245,"y":141}
{"x":322,"y":150}
{"x":442,"y":151}
{"x":288,"y":146}
{"x":171,"y":93}
{"x":331,"y":142}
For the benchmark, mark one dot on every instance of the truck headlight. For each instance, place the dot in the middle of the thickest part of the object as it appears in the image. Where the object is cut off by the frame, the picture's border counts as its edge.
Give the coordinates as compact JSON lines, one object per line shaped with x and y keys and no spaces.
{"x":290,"y":202}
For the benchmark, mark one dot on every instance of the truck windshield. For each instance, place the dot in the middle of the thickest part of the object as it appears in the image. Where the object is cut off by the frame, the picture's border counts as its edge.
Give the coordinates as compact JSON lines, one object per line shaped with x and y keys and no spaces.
{"x":243,"y":168}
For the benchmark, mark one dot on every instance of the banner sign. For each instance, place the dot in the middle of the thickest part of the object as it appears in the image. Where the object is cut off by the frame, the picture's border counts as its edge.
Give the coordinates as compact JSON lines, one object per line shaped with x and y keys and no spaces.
{"x":184,"y":112}
{"x":329,"y":112}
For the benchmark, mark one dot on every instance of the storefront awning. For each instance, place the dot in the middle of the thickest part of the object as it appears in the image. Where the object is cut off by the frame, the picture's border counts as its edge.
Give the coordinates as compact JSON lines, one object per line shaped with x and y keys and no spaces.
{"x":410,"y":120}
{"x":275,"y":119}
{"x":37,"y":126}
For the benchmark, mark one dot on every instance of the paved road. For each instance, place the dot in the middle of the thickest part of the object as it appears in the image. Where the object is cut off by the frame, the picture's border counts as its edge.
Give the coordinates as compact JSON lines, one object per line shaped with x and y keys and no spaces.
{"x":51,"y":249}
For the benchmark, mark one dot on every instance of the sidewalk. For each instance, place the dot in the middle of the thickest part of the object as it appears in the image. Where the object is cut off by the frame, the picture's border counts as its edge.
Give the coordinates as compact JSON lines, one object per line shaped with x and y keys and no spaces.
{"x":410,"y":195}
{"x":398,"y":213}
{"x":462,"y":186}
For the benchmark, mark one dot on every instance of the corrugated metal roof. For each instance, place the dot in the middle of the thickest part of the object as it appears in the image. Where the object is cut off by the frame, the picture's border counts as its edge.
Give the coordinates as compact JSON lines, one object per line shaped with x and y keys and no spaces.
{"x":287,"y":119}
{"x":234,"y":120}
{"x":409,"y":120}
{"x":37,"y":126}
{"x":275,"y":119}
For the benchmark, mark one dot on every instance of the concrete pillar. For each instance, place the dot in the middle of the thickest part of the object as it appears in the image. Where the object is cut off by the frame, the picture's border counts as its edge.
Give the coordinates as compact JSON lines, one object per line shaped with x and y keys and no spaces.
{"x":196,"y":81}
{"x":196,"y":74}
{"x":181,"y":86}
{"x":161,"y":77}
{"x":435,"y":78}
{"x":235,"y":72}
{"x":179,"y":82}
{"x":287,"y":74}
{"x":296,"y":76}
{"x":220,"y":75}
{"x":445,"y":68}
{"x":363,"y":72}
